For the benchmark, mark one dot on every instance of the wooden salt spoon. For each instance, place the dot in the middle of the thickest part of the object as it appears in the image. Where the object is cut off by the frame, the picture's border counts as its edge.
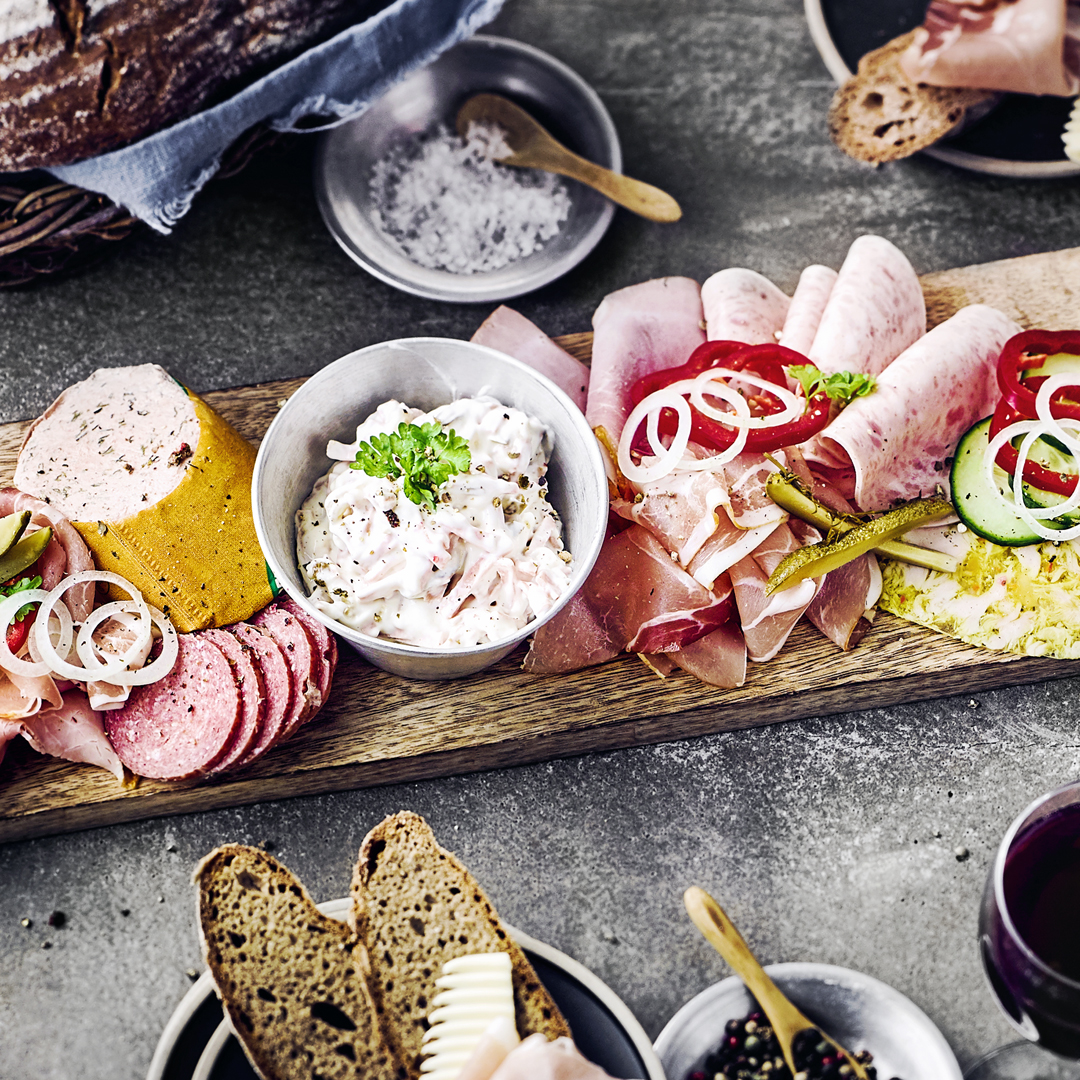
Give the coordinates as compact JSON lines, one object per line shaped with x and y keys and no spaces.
{"x":786,"y":1020}
{"x":533,"y":147}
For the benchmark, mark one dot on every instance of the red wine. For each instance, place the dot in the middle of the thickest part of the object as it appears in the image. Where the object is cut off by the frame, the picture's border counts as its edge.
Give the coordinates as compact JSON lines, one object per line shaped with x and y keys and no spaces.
{"x":1034,"y":964}
{"x":1042,"y":890}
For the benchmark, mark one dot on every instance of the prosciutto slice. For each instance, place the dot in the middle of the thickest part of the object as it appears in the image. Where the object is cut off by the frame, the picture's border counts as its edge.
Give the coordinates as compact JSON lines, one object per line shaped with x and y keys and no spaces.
{"x":510,"y":332}
{"x":573,"y":639}
{"x":743,"y":305}
{"x":639,"y":330}
{"x":1022,"y":46}
{"x":79,"y":598}
{"x":718,"y":659}
{"x":897,"y":439}
{"x":874,"y":312}
{"x":807,"y":307}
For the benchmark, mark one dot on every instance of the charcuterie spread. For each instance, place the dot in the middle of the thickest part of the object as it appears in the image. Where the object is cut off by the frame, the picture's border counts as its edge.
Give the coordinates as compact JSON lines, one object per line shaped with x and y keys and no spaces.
{"x":434,"y":529}
{"x":129,"y":470}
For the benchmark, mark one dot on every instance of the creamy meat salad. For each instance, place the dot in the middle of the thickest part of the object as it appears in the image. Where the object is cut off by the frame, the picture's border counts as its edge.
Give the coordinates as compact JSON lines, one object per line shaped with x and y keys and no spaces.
{"x":484,"y":563}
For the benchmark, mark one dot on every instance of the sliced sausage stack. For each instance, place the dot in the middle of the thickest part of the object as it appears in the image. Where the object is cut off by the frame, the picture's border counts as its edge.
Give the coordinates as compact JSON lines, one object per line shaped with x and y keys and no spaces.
{"x":232,"y":695}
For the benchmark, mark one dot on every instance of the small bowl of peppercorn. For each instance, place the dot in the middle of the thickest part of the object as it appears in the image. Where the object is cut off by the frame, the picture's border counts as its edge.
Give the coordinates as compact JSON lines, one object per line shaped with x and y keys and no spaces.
{"x":722,"y":1034}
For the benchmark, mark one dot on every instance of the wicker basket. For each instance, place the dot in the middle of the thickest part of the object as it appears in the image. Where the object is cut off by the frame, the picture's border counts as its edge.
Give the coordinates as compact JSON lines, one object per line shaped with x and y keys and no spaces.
{"x":47,"y":227}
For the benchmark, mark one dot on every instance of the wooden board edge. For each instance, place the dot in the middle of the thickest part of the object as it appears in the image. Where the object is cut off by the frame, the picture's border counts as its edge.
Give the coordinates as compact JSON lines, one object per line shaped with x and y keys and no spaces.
{"x":522,"y":749}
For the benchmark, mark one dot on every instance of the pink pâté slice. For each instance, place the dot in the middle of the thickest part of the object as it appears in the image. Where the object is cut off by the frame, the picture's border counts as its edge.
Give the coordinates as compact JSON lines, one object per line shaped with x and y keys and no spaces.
{"x":252,"y":697}
{"x":181,"y":725}
{"x":277,"y":681}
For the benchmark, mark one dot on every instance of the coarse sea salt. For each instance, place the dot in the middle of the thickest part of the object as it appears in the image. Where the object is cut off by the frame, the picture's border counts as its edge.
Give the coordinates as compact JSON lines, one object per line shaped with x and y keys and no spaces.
{"x":446,"y":205}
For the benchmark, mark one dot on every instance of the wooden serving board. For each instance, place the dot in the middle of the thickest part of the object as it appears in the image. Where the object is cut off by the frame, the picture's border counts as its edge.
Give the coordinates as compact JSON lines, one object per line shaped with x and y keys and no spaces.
{"x":381,"y":729}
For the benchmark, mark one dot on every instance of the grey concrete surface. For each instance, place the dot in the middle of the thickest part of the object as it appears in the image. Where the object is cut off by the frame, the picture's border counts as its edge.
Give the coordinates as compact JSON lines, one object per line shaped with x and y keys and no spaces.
{"x":829,"y":840}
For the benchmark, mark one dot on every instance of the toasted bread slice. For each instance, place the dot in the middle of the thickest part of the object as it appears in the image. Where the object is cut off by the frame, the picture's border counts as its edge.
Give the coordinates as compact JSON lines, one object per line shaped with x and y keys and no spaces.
{"x":292,"y":980}
{"x":881,"y":115}
{"x":415,"y":907}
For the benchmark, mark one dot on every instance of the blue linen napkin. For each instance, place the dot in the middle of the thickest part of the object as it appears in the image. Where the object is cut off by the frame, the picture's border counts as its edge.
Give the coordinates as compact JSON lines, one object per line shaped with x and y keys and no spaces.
{"x":157,"y":178}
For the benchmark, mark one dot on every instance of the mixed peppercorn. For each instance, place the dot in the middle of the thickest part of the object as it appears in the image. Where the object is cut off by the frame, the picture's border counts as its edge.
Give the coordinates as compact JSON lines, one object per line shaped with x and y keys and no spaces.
{"x":750,"y":1051}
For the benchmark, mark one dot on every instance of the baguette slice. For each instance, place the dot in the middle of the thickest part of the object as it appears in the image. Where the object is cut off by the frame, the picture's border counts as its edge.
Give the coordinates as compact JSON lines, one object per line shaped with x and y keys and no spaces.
{"x":881,"y":115}
{"x":415,"y":907}
{"x":292,"y":980}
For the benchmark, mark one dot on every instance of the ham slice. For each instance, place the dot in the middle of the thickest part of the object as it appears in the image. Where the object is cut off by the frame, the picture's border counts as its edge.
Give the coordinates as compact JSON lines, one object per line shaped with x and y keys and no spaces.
{"x":874,"y":312}
{"x":639,"y":330}
{"x":74,"y":732}
{"x":807,"y":306}
{"x":1021,"y":46}
{"x":743,"y":305}
{"x":510,"y":332}
{"x":898,"y":438}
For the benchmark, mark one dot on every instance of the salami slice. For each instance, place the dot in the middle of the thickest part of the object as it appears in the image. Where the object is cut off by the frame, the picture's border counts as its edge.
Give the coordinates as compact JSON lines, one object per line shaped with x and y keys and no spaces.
{"x":743,"y":305}
{"x":277,"y":683}
{"x":252,"y":697}
{"x":181,"y":725}
{"x":326,"y":649}
{"x":875,"y":310}
{"x":299,"y":652}
{"x":807,"y":306}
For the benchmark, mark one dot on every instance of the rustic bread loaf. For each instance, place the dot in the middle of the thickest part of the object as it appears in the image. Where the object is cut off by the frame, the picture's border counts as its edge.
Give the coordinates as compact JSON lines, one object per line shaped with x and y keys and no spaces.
{"x":78,"y":79}
{"x":415,"y":907}
{"x":880,"y":115}
{"x":292,"y":980}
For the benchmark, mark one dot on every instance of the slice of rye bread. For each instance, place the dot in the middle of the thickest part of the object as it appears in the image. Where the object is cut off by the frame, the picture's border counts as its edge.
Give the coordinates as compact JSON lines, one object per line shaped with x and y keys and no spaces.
{"x":415,"y":907}
{"x":292,"y":981}
{"x":881,"y":115}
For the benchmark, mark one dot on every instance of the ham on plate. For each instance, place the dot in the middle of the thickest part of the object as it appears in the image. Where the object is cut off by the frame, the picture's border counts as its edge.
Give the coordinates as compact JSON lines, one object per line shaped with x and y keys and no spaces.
{"x":742,"y":305}
{"x":1018,"y":46}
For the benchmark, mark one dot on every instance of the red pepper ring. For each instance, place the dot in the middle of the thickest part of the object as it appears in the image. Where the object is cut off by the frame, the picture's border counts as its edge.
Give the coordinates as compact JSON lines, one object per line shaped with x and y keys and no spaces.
{"x":1025,"y":351}
{"x":766,"y":361}
{"x":1008,"y":457}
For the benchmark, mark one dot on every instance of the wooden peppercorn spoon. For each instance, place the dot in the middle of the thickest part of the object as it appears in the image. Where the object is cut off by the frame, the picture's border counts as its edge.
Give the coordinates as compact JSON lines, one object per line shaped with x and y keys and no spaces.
{"x":533,"y":147}
{"x":786,"y":1020}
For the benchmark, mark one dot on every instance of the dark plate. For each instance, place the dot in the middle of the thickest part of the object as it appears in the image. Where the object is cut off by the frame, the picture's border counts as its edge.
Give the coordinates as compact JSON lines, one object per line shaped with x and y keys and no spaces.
{"x":1020,"y":137}
{"x":604,"y":1028}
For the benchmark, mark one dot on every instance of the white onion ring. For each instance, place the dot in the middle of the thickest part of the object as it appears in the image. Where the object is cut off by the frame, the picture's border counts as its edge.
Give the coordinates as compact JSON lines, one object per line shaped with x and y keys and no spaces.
{"x":669,"y":460}
{"x":64,"y":643}
{"x":163,"y":663}
{"x":104,"y":670}
{"x":9,"y":607}
{"x":794,"y":406}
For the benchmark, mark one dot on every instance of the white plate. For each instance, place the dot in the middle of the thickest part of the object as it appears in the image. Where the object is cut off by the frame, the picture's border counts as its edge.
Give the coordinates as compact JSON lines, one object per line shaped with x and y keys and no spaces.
{"x":612,"y":1027}
{"x":858,"y":1011}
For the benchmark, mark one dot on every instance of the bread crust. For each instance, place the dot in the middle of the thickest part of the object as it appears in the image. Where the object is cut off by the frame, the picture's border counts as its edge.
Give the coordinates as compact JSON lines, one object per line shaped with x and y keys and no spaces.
{"x":440,"y":913}
{"x":881,"y":115}
{"x":79,"y":79}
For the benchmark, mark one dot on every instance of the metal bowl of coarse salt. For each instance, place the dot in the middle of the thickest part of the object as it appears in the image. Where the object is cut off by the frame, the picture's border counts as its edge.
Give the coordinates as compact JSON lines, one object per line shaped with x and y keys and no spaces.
{"x":406,"y":198}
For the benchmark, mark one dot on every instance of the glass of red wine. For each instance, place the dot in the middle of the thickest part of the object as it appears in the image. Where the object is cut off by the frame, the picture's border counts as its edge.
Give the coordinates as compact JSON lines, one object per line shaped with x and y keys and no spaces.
{"x":1029,"y":936}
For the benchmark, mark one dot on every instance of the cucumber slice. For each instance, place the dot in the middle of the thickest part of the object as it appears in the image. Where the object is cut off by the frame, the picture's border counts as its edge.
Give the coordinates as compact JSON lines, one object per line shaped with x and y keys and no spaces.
{"x":979,"y":504}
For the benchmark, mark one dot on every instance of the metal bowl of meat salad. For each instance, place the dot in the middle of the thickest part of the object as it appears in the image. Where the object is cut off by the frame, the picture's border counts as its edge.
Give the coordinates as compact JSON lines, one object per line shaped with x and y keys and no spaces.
{"x":431,"y":501}
{"x":430,"y":213}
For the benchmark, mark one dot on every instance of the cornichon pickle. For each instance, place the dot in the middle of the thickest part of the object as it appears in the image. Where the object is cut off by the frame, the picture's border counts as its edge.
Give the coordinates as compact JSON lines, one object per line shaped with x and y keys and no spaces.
{"x":786,"y":491}
{"x":11,"y":528}
{"x":22,"y":555}
{"x":817,"y":559}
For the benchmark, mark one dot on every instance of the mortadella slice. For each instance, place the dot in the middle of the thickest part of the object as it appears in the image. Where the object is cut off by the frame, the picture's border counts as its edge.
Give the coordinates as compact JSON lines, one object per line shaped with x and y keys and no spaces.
{"x":638,"y":330}
{"x":875,"y":310}
{"x":898,"y":438}
{"x":807,"y":306}
{"x":510,"y":332}
{"x":743,"y":305}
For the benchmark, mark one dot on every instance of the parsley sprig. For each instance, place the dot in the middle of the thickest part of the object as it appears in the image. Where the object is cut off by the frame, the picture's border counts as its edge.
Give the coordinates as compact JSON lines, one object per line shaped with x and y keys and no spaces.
{"x":843,"y":386}
{"x":21,"y":586}
{"x":423,"y":456}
